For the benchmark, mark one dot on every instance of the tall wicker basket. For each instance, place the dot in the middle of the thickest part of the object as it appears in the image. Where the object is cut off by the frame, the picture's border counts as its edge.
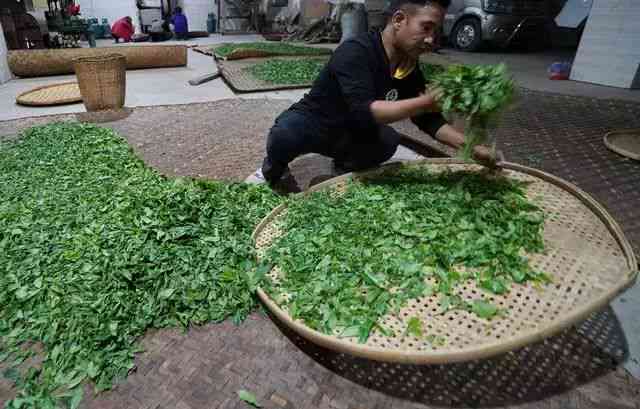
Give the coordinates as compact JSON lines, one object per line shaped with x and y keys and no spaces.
{"x":102,"y":81}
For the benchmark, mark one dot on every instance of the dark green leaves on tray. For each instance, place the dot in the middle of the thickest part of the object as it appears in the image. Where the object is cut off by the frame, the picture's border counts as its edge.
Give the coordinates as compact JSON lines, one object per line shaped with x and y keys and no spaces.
{"x":274,"y":48}
{"x":95,"y":248}
{"x":349,"y":260}
{"x":289,"y":71}
{"x":478,"y":93}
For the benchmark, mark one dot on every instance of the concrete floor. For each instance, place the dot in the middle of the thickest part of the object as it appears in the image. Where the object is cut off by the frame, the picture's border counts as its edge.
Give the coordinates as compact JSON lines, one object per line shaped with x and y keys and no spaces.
{"x":530,"y":71}
{"x":165,"y":86}
{"x":150,"y":87}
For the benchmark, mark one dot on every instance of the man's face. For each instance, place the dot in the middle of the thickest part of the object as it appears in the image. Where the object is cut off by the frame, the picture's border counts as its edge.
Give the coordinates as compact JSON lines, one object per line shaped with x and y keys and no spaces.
{"x":417,"y":30}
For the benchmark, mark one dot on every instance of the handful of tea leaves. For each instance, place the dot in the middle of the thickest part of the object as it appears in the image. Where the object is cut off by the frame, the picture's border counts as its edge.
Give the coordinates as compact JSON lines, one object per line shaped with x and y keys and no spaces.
{"x":477,"y":92}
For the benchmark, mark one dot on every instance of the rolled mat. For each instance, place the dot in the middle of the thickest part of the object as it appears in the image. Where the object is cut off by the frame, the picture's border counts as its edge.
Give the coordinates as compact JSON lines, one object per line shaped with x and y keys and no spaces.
{"x":38,"y":63}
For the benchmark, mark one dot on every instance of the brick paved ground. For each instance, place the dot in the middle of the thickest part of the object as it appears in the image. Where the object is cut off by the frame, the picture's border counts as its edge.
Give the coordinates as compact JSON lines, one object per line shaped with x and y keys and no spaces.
{"x":205,"y":367}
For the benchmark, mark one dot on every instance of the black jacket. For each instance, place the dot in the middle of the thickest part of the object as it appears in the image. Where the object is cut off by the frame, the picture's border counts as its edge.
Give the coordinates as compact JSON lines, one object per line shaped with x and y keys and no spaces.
{"x":357,"y":74}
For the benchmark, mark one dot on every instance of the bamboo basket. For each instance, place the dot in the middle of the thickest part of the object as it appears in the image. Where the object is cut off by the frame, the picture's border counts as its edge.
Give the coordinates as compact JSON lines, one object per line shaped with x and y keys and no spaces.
{"x":102,"y":81}
{"x":587,"y":256}
{"x":38,"y":63}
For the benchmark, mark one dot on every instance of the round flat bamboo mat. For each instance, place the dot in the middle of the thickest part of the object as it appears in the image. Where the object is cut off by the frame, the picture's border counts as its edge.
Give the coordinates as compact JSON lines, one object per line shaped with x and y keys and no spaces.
{"x":624,"y":142}
{"x":55,"y":94}
{"x":587,"y":256}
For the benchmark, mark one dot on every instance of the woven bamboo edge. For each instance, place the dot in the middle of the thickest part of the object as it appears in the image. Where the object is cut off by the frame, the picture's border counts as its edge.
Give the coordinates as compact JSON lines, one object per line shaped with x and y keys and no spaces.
{"x":101,"y":58}
{"x":244,"y":53}
{"x":486,"y":350}
{"x":202,"y":50}
{"x":63,"y":101}
{"x":612,"y":146}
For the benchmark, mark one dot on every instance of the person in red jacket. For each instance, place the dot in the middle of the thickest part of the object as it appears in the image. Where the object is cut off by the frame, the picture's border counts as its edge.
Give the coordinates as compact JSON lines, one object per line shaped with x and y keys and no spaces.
{"x":73,"y":9}
{"x":122,"y":29}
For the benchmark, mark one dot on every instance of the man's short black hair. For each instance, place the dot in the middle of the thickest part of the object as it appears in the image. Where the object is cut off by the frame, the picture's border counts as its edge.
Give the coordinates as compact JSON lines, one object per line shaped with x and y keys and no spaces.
{"x":396,"y":5}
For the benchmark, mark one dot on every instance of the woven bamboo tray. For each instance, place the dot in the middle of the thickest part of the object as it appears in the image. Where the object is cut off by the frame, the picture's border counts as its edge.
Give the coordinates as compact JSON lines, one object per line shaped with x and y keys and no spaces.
{"x":239,"y":79}
{"x":202,"y":49}
{"x":37,"y":63}
{"x":624,"y":142}
{"x":588,"y":257}
{"x":54,"y":94}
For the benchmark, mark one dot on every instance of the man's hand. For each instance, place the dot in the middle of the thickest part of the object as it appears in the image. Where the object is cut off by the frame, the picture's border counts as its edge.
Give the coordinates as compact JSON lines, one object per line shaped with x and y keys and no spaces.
{"x":431,"y":97}
{"x":484,"y":155}
{"x":488,"y":157}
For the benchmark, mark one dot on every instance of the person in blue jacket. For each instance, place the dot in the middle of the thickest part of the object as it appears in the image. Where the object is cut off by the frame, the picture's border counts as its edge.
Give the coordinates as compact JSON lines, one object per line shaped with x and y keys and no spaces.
{"x":180,"y":24}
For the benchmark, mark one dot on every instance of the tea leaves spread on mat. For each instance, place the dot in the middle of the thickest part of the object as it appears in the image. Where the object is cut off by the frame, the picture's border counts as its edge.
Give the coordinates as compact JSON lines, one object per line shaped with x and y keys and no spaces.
{"x":95,"y":248}
{"x":273,"y":48}
{"x":294,"y":72}
{"x":348,"y":260}
{"x":477,"y":92}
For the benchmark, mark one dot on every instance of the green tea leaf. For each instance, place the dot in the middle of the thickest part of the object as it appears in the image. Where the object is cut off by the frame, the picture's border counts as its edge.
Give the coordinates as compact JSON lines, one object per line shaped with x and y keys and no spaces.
{"x":483,"y":309}
{"x":248,"y":397}
{"x":12,"y":374}
{"x":414,"y":327}
{"x":167,"y":293}
{"x":76,"y":398}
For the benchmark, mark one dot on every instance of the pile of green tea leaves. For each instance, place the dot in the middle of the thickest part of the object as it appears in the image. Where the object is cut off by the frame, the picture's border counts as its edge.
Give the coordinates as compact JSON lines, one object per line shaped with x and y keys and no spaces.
{"x":294,"y":71}
{"x":95,"y":248}
{"x":272,"y":48}
{"x":349,"y":260}
{"x":477,"y":92}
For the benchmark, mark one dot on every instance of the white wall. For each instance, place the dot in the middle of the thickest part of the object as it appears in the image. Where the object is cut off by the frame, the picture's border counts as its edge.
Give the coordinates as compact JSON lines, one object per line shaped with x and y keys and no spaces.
{"x":111,"y":9}
{"x":5,"y":74}
{"x":197,"y":11}
{"x":609,"y":52}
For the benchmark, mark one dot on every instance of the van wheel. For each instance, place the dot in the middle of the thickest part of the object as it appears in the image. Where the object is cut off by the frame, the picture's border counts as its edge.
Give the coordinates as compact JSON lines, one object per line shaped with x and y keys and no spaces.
{"x":467,"y":35}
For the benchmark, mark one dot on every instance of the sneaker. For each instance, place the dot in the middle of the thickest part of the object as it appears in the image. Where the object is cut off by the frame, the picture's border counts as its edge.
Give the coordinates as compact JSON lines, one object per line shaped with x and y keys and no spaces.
{"x":286,"y":184}
{"x":256,"y":178}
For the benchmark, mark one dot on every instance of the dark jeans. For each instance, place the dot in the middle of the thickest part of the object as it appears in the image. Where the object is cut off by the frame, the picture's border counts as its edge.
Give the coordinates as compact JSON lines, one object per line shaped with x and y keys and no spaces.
{"x":295,"y":134}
